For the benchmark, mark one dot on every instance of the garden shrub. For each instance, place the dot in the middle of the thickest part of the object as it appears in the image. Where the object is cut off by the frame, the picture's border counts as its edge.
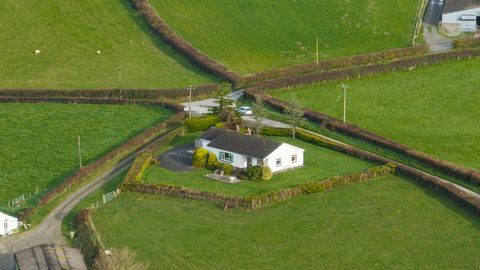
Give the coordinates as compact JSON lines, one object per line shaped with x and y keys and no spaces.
{"x":268,"y":131}
{"x":313,"y":187}
{"x":212,"y":161}
{"x":202,"y":123}
{"x":226,"y":168}
{"x":254,"y":172}
{"x":200,"y":158}
{"x":266,"y":173}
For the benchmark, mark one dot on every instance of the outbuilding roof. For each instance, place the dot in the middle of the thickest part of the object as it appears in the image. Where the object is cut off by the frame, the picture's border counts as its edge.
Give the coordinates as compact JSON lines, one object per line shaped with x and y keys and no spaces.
{"x":50,"y":257}
{"x":459,"y":5}
{"x":235,"y":142}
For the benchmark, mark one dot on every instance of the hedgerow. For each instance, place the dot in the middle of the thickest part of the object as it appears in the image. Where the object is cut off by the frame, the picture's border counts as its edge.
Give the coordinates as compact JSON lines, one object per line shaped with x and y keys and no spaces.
{"x":202,"y":123}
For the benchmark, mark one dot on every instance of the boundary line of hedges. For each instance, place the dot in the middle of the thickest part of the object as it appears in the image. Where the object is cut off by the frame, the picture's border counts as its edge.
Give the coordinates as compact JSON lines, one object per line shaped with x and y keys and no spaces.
{"x":367,"y":70}
{"x":107,"y":160}
{"x":88,"y":239}
{"x":337,"y":63}
{"x":158,"y":24}
{"x":351,"y":130}
{"x":197,"y":92}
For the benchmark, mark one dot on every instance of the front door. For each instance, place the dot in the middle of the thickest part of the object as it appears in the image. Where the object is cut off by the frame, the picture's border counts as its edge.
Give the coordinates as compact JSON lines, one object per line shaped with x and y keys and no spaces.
{"x":249,"y":162}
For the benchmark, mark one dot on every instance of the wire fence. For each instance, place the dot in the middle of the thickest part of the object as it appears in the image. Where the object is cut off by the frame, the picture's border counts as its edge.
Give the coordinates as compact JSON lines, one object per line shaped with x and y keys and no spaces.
{"x":106,"y":198}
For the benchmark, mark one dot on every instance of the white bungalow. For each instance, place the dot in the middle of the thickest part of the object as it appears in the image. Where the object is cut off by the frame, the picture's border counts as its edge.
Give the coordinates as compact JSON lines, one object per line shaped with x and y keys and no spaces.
{"x":242,"y":151}
{"x":461,"y":15}
{"x":7,"y":224}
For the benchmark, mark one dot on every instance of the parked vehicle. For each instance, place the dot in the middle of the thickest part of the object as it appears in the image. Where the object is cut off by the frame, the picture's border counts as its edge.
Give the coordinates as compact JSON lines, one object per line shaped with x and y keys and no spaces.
{"x":245,"y":110}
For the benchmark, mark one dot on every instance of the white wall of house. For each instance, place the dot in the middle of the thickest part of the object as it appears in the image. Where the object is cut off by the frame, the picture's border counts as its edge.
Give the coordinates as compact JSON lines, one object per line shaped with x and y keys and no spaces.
{"x":465,"y":20}
{"x":7,"y":224}
{"x":238,"y":161}
{"x":285,"y":153}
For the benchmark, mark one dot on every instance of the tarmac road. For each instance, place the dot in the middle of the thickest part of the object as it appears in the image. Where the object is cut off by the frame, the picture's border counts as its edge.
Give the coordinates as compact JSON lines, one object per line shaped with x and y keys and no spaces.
{"x":433,"y":12}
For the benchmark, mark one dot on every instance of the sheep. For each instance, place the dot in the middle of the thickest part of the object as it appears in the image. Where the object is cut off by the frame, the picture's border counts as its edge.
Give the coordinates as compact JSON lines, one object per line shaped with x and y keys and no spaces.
{"x":99,"y":52}
{"x":37,"y":52}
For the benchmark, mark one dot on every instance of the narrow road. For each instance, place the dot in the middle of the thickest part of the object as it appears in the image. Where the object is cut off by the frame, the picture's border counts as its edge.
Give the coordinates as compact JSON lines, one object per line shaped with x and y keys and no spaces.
{"x":49,"y":230}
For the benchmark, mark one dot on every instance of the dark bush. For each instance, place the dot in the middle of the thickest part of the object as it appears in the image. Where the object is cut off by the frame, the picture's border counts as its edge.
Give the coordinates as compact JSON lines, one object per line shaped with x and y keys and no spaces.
{"x":226,"y":168}
{"x":254,"y":172}
{"x":202,"y":123}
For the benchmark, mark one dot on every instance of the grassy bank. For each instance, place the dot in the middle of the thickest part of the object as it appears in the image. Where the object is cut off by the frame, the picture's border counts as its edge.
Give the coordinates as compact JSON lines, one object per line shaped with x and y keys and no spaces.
{"x":41,"y":140}
{"x":388,"y":223}
{"x":434,"y":109}
{"x":68,"y":35}
{"x":255,"y":35}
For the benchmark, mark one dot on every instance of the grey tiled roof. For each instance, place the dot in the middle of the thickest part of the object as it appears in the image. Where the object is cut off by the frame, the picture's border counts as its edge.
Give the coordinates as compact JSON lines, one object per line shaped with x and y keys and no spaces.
{"x":50,"y":257}
{"x":459,"y":5}
{"x":235,"y":142}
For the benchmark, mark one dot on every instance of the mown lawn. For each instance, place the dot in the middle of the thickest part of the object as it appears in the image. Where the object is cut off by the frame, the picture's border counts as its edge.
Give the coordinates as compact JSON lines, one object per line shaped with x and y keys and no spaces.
{"x":320,"y":163}
{"x":389,"y":223}
{"x":256,"y":35}
{"x":68,"y":35}
{"x":433,"y":109}
{"x":39,"y":141}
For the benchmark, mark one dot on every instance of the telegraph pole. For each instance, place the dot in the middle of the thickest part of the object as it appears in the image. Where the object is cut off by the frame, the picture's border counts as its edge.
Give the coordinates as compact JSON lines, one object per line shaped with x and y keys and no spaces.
{"x":345,"y":87}
{"x":79,"y":152}
{"x":190,"y":102}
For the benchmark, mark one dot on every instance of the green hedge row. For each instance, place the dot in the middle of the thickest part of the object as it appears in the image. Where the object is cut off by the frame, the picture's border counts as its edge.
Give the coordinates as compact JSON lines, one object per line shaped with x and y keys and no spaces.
{"x":255,"y":202}
{"x":173,"y":39}
{"x":106,"y":161}
{"x":366,"y":70}
{"x":336,"y":125}
{"x":198,"y":92}
{"x":466,"y":43}
{"x":88,"y":240}
{"x":202,"y":123}
{"x":338,"y":63}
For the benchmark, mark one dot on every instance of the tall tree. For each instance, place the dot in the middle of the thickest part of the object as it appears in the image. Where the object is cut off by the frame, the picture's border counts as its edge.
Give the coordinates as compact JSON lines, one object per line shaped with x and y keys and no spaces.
{"x":295,"y":113}
{"x":224,"y":104}
{"x":259,"y":114}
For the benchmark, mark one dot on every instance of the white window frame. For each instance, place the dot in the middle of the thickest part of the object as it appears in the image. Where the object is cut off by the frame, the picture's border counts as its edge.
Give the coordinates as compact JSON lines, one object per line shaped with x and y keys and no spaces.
{"x":278,"y":162}
{"x":294,"y":158}
{"x":221,"y":156}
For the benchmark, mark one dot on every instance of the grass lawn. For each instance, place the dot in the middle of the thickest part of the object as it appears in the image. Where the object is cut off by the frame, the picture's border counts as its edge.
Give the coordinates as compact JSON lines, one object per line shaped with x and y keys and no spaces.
{"x":68,"y":35}
{"x":40,"y":140}
{"x":256,"y":35}
{"x":389,"y":223}
{"x":434,"y":109}
{"x":320,"y":163}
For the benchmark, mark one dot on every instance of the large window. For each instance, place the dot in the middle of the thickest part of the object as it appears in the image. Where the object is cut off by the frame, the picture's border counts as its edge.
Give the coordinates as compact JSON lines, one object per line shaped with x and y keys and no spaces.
{"x":278,"y":162}
{"x":226,"y":157}
{"x":294,"y":158}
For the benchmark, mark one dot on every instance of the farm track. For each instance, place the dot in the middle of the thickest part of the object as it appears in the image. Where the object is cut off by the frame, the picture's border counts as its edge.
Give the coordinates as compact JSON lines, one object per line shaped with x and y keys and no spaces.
{"x":49,"y":230}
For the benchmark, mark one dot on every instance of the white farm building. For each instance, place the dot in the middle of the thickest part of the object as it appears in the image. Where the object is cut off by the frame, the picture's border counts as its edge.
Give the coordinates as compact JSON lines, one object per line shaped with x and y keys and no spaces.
{"x":461,"y":15}
{"x":7,"y":224}
{"x":242,"y":151}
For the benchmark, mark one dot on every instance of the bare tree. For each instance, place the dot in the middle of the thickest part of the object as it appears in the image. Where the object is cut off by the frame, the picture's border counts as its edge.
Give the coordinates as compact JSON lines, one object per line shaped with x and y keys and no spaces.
{"x":259,"y":114}
{"x":119,"y":259}
{"x":295,"y":113}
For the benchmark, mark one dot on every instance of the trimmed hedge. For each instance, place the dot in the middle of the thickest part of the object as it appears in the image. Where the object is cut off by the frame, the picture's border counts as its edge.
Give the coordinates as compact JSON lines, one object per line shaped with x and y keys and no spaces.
{"x":466,"y":43}
{"x":200,"y":157}
{"x":88,"y":240}
{"x":170,"y":37}
{"x":199,"y":91}
{"x":336,"y":125}
{"x":178,"y":108}
{"x":202,"y":123}
{"x":338,"y":63}
{"x":367,"y":70}
{"x":106,"y":161}
{"x":268,"y":131}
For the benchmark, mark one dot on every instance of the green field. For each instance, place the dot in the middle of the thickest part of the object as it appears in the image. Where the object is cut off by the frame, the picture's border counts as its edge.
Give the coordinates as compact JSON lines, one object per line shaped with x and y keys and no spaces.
{"x":320,"y":163}
{"x":254,"y":35}
{"x":39,"y":141}
{"x":434,"y":109}
{"x":68,"y":35}
{"x":389,"y":223}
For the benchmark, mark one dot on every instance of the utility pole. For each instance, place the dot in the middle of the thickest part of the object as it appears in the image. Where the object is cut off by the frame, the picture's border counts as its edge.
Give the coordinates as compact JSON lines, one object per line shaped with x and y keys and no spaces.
{"x":79,"y":152}
{"x":345,"y":87}
{"x":190,"y":101}
{"x":317,"y":53}
{"x":119,"y":78}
